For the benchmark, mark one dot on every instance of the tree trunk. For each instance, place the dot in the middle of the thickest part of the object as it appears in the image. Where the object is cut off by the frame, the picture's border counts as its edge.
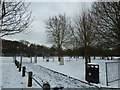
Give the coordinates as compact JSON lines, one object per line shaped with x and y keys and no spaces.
{"x":59,"y":53}
{"x":61,"y":61}
{"x":87,"y":59}
{"x":85,"y":55}
{"x":30,"y":59}
{"x":21,"y":60}
{"x":60,"y":58}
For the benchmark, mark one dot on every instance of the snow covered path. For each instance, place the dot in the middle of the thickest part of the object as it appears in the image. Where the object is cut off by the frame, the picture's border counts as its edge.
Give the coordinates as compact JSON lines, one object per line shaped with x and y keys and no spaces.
{"x":12,"y":78}
{"x":44,"y":75}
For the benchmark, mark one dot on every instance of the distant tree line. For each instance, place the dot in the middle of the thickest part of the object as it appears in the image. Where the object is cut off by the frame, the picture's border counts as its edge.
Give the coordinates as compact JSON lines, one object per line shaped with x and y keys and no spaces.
{"x":25,"y":48}
{"x":10,"y":48}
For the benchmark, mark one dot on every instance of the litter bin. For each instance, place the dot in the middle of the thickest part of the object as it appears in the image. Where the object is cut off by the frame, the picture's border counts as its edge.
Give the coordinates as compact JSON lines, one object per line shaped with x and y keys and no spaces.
{"x":92,"y":73}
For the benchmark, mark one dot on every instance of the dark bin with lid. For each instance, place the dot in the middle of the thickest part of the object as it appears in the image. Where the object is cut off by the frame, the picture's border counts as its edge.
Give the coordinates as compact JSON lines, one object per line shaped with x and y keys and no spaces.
{"x":92,"y":73}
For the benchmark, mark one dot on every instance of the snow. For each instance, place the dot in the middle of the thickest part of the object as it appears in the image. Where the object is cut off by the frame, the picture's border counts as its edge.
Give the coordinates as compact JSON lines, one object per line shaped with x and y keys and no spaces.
{"x":93,"y":63}
{"x":72,"y":68}
{"x":54,"y":79}
{"x":11,"y":77}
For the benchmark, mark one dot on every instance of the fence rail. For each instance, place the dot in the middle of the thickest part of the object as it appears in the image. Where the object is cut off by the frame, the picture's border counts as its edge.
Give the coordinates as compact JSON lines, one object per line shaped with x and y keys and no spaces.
{"x":113,"y":80}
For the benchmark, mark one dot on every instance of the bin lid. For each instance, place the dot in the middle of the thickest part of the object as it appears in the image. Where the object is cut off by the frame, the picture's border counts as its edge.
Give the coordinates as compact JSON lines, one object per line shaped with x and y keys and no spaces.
{"x":93,"y":64}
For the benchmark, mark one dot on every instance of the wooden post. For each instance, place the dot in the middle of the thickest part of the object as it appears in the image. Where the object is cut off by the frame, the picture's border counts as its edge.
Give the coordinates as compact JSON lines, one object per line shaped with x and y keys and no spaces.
{"x":17,"y":64}
{"x":23,"y":71}
{"x":46,"y":86}
{"x":58,"y":88}
{"x":29,"y":79}
{"x":19,"y":67}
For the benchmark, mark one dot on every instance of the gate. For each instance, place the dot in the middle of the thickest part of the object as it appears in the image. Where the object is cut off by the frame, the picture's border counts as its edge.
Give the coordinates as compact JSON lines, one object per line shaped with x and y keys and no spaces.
{"x":113,"y":73}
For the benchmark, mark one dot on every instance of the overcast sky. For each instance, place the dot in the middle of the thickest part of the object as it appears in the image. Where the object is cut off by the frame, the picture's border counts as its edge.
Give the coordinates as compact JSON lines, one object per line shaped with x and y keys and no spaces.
{"x":42,"y":11}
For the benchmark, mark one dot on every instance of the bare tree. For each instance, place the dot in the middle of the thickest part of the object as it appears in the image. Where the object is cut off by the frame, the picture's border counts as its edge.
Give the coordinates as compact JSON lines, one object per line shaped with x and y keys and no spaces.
{"x":107,"y":22}
{"x":84,"y":33}
{"x":58,"y":31}
{"x":15,"y":17}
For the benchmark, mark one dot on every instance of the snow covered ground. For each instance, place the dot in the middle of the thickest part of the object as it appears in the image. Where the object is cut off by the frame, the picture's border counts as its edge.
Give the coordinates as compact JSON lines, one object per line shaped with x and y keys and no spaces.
{"x":11,"y":77}
{"x":72,"y":67}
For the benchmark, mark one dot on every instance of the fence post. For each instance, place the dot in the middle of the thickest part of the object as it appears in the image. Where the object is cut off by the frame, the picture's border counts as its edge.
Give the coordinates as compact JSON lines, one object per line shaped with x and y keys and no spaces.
{"x":17,"y":64}
{"x":19,"y":67}
{"x":106,"y":74}
{"x":23,"y":71}
{"x":46,"y":86}
{"x":29,"y":79}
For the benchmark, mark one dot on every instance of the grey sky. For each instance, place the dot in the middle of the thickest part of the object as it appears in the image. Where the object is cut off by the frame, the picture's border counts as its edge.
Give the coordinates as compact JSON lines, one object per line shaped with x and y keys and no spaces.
{"x":42,"y":11}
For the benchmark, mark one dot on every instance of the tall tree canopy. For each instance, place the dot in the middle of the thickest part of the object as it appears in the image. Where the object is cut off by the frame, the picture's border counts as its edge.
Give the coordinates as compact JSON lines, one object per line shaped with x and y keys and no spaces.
{"x":107,"y":19}
{"x":58,"y":31}
{"x":84,"y":31}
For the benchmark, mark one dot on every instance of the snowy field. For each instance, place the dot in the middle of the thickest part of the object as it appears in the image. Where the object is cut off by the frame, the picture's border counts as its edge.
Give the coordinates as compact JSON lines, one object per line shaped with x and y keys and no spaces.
{"x":72,"y":67}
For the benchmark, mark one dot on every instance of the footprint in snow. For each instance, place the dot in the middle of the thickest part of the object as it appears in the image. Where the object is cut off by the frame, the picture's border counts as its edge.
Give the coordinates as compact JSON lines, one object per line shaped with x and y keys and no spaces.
{"x":21,"y":82}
